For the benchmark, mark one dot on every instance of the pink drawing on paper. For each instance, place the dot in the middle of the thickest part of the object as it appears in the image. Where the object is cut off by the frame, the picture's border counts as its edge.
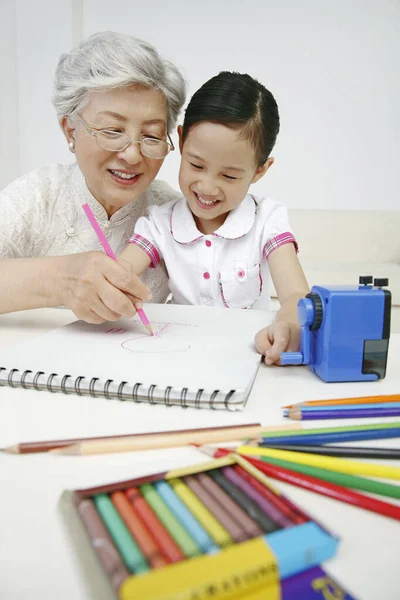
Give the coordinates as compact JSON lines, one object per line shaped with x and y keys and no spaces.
{"x":169,"y":337}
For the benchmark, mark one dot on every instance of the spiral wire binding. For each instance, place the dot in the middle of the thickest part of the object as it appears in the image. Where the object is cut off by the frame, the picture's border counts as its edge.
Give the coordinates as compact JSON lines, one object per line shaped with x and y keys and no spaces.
{"x":134,"y":395}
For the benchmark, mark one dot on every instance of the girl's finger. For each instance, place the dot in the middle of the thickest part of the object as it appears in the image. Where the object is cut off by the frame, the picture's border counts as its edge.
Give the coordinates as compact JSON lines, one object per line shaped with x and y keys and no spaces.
{"x":262,"y":341}
{"x":281,"y":343}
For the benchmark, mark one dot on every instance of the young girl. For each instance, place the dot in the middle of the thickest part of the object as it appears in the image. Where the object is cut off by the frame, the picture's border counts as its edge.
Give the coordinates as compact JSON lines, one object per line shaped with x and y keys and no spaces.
{"x":221,"y":244}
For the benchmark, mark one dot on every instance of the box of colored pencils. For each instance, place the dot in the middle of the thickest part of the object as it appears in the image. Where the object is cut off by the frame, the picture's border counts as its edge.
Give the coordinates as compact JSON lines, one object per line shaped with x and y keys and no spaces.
{"x":218,"y":526}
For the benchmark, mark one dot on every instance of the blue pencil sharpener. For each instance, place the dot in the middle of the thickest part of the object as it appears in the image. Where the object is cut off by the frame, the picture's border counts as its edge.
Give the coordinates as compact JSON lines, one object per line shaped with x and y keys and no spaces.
{"x":344,"y":331}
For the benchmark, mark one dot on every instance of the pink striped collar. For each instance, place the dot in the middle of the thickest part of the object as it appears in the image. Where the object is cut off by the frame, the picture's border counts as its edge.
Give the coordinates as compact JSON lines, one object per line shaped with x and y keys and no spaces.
{"x":238,"y":222}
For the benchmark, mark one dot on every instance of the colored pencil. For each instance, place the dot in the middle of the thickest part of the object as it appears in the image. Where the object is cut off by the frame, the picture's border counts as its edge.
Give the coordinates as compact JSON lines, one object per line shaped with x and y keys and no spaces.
{"x":170,"y":522}
{"x":340,"y":451}
{"x":168,"y":547}
{"x":357,"y":400}
{"x":161,"y":440}
{"x":218,"y":533}
{"x":263,"y":484}
{"x":138,"y":530}
{"x":341,"y":465}
{"x":338,"y":429}
{"x":323,"y":488}
{"x":329,"y":438}
{"x":113,"y":443}
{"x":343,"y":479}
{"x":230,"y":506}
{"x":367,"y":406}
{"x":300,"y":415}
{"x":128,"y":548}
{"x":256,"y":491}
{"x":108,"y":250}
{"x":46,"y":445}
{"x":184,"y":516}
{"x":233,"y":526}
{"x":224,"y":480}
{"x":106,"y":551}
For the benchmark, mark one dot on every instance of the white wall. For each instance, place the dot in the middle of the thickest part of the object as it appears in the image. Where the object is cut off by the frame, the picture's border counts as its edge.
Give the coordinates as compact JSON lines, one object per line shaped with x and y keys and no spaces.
{"x":333,"y":68}
{"x":9,"y":127}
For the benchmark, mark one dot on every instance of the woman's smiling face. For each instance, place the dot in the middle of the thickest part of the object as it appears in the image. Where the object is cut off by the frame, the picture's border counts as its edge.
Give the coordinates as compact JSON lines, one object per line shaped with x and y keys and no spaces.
{"x":115,"y":179}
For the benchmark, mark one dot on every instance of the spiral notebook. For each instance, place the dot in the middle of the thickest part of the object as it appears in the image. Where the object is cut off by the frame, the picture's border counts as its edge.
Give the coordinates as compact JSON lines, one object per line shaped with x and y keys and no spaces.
{"x":199,"y":356}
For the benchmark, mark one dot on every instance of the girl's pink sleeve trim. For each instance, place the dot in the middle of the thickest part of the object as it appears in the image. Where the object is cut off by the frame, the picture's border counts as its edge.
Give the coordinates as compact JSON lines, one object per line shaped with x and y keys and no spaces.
{"x":151,"y":251}
{"x":279,"y":240}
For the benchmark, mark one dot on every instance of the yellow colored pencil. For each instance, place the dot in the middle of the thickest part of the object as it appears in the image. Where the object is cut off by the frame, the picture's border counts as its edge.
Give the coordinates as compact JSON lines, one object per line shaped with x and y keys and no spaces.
{"x":218,"y":533}
{"x":342,"y":465}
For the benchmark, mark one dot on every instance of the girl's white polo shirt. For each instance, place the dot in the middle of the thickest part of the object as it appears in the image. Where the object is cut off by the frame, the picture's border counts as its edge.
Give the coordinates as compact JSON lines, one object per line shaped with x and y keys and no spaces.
{"x":226,"y":268}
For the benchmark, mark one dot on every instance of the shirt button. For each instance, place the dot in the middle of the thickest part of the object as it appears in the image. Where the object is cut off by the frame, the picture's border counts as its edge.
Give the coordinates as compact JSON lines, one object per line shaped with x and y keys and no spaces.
{"x":208,"y":243}
{"x":206,"y":275}
{"x":241,"y":273}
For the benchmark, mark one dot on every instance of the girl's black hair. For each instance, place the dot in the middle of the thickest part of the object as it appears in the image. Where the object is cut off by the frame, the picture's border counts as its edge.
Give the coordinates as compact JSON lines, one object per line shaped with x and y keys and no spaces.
{"x":239,"y":101}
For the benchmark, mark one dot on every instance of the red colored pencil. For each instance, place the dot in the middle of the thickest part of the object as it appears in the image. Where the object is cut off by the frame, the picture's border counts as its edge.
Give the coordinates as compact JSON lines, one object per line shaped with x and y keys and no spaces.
{"x":331,"y":490}
{"x":169,"y":549}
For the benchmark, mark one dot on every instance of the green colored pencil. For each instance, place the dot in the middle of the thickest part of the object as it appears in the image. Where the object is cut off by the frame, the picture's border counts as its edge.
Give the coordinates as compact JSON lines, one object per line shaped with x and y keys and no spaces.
{"x":321,"y":430}
{"x":130,"y":552}
{"x":343,"y":479}
{"x":170,"y":522}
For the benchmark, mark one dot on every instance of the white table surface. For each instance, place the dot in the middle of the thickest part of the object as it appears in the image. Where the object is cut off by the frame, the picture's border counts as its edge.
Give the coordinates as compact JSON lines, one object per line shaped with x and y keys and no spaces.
{"x":36,"y":557}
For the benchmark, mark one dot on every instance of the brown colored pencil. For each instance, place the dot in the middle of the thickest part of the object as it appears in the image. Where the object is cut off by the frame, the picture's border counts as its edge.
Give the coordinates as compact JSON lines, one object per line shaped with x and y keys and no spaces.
{"x":233,"y":527}
{"x":358,"y":400}
{"x":169,"y":440}
{"x":45,"y":446}
{"x":248,"y":523}
{"x":102,"y":543}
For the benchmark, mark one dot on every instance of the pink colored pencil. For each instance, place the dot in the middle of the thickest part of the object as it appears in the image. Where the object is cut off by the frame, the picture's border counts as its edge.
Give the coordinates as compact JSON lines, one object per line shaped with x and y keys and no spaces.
{"x":108,"y":250}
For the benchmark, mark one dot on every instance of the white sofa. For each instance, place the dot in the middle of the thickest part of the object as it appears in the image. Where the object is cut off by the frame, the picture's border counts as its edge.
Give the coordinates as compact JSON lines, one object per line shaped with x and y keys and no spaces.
{"x":337,"y":246}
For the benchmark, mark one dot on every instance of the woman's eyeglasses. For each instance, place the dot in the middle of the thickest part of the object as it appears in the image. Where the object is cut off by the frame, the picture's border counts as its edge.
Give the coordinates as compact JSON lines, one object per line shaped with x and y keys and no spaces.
{"x":115,"y":141}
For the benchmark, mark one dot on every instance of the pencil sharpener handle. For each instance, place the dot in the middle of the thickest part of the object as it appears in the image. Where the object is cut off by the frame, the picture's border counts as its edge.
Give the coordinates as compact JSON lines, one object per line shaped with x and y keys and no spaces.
{"x":306,"y":315}
{"x":291,"y":358}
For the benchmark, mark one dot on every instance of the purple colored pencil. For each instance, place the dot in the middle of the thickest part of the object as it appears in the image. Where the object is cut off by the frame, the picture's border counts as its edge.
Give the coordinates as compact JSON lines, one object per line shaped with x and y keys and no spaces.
{"x":270,"y":510}
{"x":346,"y":414}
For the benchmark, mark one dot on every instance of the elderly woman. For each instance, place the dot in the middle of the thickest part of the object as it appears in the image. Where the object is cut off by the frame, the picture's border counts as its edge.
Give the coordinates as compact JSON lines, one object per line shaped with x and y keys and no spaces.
{"x":117,"y":101}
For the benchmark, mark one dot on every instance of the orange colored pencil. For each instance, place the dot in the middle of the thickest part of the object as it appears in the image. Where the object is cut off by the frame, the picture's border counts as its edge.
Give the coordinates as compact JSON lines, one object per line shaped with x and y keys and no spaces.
{"x":143,"y":539}
{"x":361,"y":400}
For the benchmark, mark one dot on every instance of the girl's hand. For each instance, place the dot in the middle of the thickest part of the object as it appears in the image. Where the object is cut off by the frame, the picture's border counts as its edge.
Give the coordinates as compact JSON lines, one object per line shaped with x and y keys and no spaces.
{"x":278,"y":337}
{"x":97,"y":288}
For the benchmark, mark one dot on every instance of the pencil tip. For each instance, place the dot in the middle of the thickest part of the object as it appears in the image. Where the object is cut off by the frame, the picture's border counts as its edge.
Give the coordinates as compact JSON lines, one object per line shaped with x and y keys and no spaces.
{"x":205,"y":449}
{"x":11,"y":449}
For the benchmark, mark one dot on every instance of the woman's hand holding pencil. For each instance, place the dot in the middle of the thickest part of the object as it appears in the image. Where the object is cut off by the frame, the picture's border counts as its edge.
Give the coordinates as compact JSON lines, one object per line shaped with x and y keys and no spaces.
{"x":136,"y":292}
{"x":96,"y":288}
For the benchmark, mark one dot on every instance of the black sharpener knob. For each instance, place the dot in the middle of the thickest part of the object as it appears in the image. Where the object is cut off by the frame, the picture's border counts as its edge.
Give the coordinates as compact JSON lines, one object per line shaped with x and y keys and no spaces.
{"x":365,"y":279}
{"x":381,"y":282}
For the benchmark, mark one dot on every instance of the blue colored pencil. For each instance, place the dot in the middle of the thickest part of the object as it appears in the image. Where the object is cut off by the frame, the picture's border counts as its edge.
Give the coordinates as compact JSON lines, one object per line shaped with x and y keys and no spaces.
{"x":332,"y":438}
{"x":183,"y":514}
{"x":343,"y":414}
{"x":385,"y":405}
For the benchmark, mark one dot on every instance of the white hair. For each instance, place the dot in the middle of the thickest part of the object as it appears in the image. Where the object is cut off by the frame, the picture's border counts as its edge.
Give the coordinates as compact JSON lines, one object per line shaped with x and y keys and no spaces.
{"x":108,"y":60}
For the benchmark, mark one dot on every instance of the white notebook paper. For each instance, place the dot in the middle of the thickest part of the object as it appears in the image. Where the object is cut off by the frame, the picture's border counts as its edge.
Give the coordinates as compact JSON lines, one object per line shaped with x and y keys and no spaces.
{"x":199,"y":356}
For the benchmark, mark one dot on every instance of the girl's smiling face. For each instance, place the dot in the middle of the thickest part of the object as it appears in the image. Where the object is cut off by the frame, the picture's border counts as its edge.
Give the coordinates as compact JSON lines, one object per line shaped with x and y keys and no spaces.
{"x":217,"y":168}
